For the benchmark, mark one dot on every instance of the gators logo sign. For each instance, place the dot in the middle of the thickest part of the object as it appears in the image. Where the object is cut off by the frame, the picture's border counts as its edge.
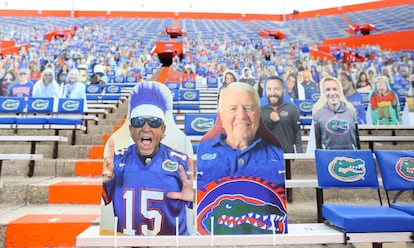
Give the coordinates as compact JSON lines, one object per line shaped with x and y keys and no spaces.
{"x":71,"y":105}
{"x":405,"y":168}
{"x":40,"y":104}
{"x":306,"y":107}
{"x":189,"y":95}
{"x":113,"y":89}
{"x":244,"y":205}
{"x":202,"y":124}
{"x":347,"y":169}
{"x":10,"y":105}
{"x":93,"y":89}
{"x":336,"y":126}
{"x":189,"y":85}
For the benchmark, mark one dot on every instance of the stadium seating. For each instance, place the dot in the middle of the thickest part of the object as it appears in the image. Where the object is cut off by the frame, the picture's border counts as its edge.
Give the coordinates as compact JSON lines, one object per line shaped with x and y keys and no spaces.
{"x":355,"y":170}
{"x":397,"y":175}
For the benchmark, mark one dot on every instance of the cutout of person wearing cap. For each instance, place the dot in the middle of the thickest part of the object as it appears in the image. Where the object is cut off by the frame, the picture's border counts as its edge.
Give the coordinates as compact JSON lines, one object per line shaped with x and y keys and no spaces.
{"x":23,"y":87}
{"x":147,"y":182}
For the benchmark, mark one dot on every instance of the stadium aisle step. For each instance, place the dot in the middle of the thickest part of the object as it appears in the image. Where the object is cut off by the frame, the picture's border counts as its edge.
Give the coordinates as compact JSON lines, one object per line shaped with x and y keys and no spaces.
{"x":76,"y":192}
{"x":89,"y":168}
{"x":96,"y":152}
{"x":47,"y":230}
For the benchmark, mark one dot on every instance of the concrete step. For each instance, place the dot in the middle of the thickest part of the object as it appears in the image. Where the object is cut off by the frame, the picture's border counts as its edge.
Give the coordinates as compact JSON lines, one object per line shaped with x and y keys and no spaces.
{"x":89,"y":167}
{"x":43,"y":190}
{"x":45,"y":225}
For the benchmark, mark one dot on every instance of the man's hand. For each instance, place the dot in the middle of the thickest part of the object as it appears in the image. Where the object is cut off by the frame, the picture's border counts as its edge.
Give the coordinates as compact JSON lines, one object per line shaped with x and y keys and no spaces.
{"x":108,"y":170}
{"x":274,"y":116}
{"x":187,"y":192}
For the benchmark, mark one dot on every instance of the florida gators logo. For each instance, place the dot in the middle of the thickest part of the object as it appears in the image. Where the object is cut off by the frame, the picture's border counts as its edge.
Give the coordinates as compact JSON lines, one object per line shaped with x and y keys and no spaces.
{"x":405,"y":168}
{"x":131,"y":79}
{"x":189,"y":95}
{"x":306,"y":106}
{"x":241,"y":206}
{"x":336,"y":126}
{"x":71,"y":105}
{"x":40,"y":104}
{"x":93,"y":89}
{"x":347,"y":169}
{"x":189,"y":85}
{"x":202,"y":124}
{"x":113,"y":89}
{"x":10,"y":105}
{"x":169,"y":165}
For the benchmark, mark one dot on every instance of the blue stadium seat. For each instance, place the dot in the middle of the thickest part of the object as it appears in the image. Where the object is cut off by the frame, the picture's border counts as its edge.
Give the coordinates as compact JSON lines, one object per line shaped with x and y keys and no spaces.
{"x":397,"y":171}
{"x":355,"y":170}
{"x":35,"y":106}
{"x":68,"y":106}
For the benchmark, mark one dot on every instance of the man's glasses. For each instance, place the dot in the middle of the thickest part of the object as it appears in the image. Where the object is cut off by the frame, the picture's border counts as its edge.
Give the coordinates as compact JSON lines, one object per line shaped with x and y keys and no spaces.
{"x":153,"y":122}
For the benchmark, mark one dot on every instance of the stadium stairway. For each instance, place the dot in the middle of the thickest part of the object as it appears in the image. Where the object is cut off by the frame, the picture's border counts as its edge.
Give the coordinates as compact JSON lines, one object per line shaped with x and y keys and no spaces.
{"x":63,"y":197}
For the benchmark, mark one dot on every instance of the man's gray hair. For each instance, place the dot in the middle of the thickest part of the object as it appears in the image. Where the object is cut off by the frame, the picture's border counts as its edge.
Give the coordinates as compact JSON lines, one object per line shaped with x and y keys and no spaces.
{"x":245,"y":87}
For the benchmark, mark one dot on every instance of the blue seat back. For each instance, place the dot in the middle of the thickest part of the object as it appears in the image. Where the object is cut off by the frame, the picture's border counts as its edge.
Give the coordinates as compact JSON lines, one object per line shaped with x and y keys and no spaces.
{"x":397,"y":168}
{"x":113,"y":89}
{"x":40,"y":105}
{"x":71,"y":105}
{"x":189,"y":85}
{"x":175,"y":94}
{"x":346,"y":169}
{"x":119,"y":79}
{"x":198,"y":124}
{"x":305,"y":106}
{"x":93,"y":89}
{"x":12,"y":104}
{"x":131,"y":79}
{"x":212,"y":82}
{"x":189,"y":95}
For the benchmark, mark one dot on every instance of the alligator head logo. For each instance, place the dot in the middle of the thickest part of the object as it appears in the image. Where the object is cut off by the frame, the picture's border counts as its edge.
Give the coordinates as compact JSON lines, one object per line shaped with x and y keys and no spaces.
{"x":202,"y":124}
{"x":113,"y":89}
{"x":405,"y":168}
{"x":71,"y":105}
{"x":189,"y":95}
{"x":189,"y":85}
{"x":239,"y":214}
{"x":347,"y":169}
{"x":244,"y":205}
{"x":337,"y":126}
{"x":11,"y":104}
{"x":306,"y":106}
{"x":40,"y":104}
{"x":93,"y":89}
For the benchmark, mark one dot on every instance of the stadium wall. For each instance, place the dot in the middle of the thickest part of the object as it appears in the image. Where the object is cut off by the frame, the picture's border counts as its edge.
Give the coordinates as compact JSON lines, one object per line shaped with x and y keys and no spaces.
{"x":393,"y":41}
{"x":212,"y":9}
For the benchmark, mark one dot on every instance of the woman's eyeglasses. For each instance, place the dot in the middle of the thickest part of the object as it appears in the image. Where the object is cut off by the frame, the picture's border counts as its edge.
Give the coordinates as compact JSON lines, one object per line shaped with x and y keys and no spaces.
{"x":153,"y":122}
